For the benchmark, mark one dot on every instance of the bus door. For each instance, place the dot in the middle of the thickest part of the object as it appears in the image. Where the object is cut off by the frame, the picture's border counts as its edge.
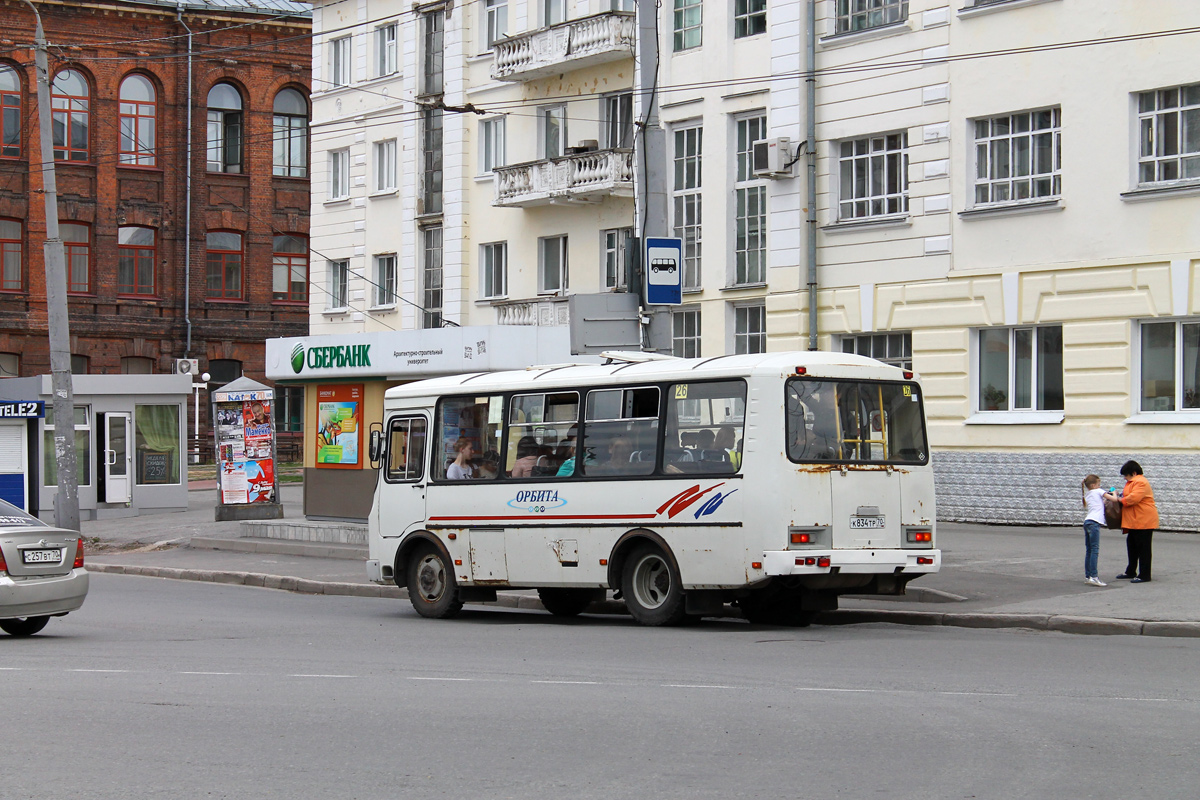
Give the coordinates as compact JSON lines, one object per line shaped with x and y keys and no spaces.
{"x":866,"y":490}
{"x":402,"y":495}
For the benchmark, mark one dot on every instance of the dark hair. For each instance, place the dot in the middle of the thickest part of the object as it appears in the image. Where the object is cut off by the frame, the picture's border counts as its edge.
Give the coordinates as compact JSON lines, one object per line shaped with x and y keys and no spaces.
{"x":1131,"y":468}
{"x":527,"y":446}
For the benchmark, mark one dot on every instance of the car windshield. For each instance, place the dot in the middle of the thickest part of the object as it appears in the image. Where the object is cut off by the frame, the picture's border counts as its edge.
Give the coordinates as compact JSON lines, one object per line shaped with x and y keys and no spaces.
{"x":11,"y":516}
{"x":855,"y":421}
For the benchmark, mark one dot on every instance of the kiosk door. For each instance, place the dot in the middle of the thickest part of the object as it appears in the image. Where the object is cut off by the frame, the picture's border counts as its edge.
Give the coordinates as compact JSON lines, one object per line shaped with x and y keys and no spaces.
{"x":14,"y":463}
{"x":117,"y":457}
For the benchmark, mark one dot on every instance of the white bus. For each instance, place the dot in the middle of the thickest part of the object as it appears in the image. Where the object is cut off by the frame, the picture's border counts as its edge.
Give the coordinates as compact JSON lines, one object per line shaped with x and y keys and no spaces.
{"x":776,"y":482}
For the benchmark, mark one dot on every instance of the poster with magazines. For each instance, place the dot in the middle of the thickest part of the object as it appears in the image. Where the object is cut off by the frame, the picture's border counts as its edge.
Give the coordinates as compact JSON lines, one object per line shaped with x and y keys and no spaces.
{"x":245,"y":447}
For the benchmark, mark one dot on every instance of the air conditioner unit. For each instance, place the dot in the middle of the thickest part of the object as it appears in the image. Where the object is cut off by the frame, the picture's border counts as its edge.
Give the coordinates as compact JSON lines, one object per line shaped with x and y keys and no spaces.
{"x":772,"y":158}
{"x":186,"y":366}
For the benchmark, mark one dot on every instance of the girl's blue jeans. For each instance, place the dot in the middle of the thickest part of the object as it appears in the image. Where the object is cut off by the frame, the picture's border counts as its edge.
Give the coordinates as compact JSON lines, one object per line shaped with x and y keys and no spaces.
{"x":1091,"y":540}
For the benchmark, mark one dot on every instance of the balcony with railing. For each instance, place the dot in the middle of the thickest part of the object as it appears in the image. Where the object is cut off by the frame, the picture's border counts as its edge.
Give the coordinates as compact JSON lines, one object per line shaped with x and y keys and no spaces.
{"x":585,"y":177}
{"x":543,"y":311}
{"x":570,"y":45}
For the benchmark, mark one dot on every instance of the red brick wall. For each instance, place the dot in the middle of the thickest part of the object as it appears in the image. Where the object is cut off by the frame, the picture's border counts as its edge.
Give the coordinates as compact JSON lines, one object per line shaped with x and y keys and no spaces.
{"x":266,"y":56}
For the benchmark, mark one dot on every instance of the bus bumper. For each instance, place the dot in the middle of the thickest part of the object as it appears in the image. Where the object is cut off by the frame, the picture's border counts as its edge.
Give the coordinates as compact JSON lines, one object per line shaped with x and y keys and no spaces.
{"x":861,"y":562}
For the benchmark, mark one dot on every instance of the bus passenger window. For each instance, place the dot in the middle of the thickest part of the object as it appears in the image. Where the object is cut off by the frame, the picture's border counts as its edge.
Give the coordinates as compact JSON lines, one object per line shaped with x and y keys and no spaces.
{"x":468,"y":438}
{"x":705,"y":427}
{"x":620,"y":432}
{"x":541,"y":433}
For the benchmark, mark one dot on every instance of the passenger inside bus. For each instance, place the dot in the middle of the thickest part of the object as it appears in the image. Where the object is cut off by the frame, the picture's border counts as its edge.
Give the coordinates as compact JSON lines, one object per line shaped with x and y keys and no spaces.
{"x":461,"y":469}
{"x":528,"y":454}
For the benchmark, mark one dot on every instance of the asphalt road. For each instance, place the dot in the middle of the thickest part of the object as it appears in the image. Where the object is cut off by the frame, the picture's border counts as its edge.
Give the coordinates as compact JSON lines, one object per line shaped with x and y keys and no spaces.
{"x":174,"y":689}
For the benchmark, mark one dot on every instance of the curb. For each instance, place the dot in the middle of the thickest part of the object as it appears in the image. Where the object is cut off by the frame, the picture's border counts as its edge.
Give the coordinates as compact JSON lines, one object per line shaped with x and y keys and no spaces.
{"x":1062,"y":623}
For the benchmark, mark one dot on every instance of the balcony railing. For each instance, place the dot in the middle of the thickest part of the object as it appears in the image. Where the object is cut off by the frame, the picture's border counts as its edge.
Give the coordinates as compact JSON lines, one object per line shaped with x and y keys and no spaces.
{"x":579,"y":177}
{"x":570,"y":45}
{"x":544,"y":311}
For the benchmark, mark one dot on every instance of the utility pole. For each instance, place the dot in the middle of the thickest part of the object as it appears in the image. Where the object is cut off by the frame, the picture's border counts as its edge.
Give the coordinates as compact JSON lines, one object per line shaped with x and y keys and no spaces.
{"x":66,"y":500}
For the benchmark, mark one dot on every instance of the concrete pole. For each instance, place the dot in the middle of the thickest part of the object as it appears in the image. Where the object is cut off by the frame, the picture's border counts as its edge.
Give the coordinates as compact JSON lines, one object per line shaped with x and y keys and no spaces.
{"x":66,"y":500}
{"x":650,"y":173}
{"x":810,"y":113}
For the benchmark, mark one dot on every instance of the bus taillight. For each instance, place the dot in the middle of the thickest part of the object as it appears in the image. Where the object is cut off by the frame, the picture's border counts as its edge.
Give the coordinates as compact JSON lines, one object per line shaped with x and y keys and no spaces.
{"x":823,"y":561}
{"x":801,"y":538}
{"x":924,"y":560}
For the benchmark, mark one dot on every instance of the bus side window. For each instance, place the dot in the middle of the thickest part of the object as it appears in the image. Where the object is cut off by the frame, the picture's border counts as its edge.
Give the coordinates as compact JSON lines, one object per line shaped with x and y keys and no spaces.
{"x":475,"y":420}
{"x":620,"y":432}
{"x":705,"y":427}
{"x":541,"y":434}
{"x":406,"y":449}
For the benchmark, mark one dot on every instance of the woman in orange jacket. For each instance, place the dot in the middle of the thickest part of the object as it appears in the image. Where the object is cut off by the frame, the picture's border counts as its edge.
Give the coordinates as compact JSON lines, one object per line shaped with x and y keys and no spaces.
{"x":1139,"y":518}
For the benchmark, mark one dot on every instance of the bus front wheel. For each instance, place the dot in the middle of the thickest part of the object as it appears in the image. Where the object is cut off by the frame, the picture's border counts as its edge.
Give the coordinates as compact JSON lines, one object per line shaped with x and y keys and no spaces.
{"x":432,"y":589}
{"x":652,"y":589}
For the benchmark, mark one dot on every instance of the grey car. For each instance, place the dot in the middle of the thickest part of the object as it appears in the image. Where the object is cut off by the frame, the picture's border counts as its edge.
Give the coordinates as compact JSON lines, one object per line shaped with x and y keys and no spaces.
{"x":41,"y":572}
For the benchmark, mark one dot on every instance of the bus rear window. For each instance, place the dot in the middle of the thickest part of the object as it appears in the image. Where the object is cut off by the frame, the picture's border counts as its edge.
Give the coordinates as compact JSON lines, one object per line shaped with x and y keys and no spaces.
{"x":855,"y":421}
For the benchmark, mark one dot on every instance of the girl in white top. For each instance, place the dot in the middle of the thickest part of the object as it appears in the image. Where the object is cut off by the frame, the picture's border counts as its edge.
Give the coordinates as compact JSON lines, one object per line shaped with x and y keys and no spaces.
{"x":1093,"y":503}
{"x":460,"y":469}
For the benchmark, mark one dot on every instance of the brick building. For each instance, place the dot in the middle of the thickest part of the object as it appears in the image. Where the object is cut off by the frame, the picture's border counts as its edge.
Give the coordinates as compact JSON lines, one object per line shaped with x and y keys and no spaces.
{"x":149,"y":282}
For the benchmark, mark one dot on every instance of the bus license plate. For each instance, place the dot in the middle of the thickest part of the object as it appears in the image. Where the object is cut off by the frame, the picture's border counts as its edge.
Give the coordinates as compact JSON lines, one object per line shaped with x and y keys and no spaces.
{"x":41,"y":556}
{"x":866,"y":523}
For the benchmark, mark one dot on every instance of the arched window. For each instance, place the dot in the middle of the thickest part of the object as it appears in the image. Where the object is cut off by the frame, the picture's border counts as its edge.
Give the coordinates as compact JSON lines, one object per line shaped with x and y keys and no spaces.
{"x":69,"y":99}
{"x":224,"y":255}
{"x":291,"y":134}
{"x":137,"y":121}
{"x":77,"y":244}
{"x":10,"y":113}
{"x":224,"y":129}
{"x":12,"y":245}
{"x":136,"y":255}
{"x":290,"y":264}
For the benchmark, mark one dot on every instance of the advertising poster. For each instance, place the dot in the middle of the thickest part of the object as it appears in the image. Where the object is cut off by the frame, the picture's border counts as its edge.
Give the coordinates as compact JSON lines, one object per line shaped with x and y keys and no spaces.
{"x":339,"y":426}
{"x":245,"y":439}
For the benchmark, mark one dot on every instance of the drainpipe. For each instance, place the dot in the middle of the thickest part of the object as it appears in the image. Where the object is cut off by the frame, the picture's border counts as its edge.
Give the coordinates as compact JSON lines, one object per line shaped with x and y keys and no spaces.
{"x":810,"y":82}
{"x":187,"y":204}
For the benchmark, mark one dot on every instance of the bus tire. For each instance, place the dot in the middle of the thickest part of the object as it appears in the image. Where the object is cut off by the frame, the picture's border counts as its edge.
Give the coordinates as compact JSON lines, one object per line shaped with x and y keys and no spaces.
{"x":771,"y":606}
{"x":23,"y":626}
{"x":651,"y":586}
{"x":432,"y":589}
{"x":565,"y":602}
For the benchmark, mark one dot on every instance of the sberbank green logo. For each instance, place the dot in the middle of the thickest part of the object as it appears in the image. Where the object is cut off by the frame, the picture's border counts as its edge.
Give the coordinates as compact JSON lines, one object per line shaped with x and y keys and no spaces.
{"x":335,"y":357}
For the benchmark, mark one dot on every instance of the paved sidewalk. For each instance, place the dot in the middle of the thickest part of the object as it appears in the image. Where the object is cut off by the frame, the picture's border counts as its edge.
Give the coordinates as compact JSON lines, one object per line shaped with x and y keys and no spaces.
{"x":992,"y":576}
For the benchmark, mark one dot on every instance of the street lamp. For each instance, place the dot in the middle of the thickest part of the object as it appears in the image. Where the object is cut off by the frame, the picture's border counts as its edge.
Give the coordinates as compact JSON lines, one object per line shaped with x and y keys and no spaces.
{"x":196,"y":387}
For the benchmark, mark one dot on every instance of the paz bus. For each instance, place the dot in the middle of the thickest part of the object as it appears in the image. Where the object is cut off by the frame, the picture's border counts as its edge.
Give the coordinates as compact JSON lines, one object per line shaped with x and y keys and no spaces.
{"x":775,"y":482}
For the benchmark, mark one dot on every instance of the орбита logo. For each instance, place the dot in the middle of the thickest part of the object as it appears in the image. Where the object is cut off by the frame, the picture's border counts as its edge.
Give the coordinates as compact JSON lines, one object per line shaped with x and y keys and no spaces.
{"x":537,"y":501}
{"x":298,"y":358}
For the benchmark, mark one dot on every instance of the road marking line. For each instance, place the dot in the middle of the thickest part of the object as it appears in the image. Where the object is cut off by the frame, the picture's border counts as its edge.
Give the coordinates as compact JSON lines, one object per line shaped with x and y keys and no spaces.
{"x":697,"y":686}
{"x":572,"y":683}
{"x":415,"y":678}
{"x":208,"y":673}
{"x":99,"y":670}
{"x":322,"y":676}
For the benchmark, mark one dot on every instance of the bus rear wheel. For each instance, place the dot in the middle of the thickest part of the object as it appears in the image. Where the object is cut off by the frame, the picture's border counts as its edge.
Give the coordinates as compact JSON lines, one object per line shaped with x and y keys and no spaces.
{"x":432,"y":589}
{"x":652,"y":588}
{"x":565,"y":602}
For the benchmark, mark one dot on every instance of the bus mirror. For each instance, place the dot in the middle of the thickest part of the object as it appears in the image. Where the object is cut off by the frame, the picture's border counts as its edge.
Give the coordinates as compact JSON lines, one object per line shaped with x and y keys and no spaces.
{"x":376,"y":447}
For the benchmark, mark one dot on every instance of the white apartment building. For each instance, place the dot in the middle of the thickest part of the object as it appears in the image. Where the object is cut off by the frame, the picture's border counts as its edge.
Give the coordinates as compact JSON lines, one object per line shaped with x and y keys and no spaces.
{"x":1008,"y":197}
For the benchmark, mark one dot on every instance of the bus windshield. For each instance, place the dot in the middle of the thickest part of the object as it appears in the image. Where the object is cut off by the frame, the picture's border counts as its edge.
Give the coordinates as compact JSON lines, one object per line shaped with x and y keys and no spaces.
{"x":855,"y":421}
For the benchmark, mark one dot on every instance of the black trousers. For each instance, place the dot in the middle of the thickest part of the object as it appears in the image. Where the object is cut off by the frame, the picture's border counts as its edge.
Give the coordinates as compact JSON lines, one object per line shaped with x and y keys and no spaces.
{"x":1137,"y":545}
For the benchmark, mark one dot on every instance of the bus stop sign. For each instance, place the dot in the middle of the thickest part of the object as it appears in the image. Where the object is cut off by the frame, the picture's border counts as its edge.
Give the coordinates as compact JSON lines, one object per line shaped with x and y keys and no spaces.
{"x":663,"y":267}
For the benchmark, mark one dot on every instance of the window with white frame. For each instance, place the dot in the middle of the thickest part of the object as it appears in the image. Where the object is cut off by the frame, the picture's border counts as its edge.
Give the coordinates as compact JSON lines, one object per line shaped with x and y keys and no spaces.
{"x":750,"y":328}
{"x":1169,"y":134}
{"x":385,"y":165}
{"x":337,"y":283}
{"x":339,"y":174}
{"x":624,"y":5}
{"x":552,"y":265}
{"x":861,"y":15}
{"x":873,"y":176}
{"x":686,"y":205}
{"x":495,"y":20}
{"x":618,"y":120}
{"x":1170,"y":365}
{"x":386,"y":62}
{"x":340,"y":61}
{"x":750,"y":200}
{"x":688,"y":21}
{"x":685,"y":332}
{"x":554,"y":12}
{"x":890,"y":348}
{"x":1018,"y":157}
{"x":493,"y":270}
{"x":431,"y":277}
{"x":1020,"y":369}
{"x":552,"y":125}
{"x":385,"y":280}
{"x":615,"y":241}
{"x":492,"y":146}
{"x":749,"y":18}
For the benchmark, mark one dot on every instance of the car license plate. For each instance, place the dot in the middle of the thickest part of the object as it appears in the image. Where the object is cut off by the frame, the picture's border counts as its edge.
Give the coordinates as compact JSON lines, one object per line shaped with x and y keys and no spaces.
{"x":866,"y":523}
{"x":41,"y":556}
